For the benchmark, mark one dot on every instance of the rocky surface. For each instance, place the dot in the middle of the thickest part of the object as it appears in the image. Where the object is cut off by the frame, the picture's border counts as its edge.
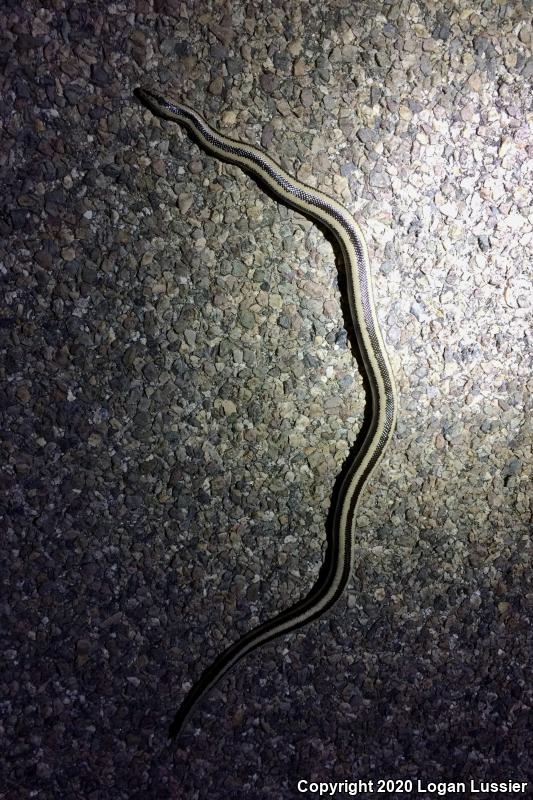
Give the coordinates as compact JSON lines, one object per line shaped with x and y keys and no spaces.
{"x":179,"y":396}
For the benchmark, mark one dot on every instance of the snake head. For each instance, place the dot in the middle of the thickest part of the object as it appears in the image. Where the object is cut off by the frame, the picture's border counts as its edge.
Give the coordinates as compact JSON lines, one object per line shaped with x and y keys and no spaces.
{"x":149,"y":98}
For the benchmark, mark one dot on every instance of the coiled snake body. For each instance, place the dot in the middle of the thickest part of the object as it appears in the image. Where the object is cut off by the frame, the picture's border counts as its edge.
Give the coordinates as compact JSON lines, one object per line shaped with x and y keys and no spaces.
{"x":346,"y":231}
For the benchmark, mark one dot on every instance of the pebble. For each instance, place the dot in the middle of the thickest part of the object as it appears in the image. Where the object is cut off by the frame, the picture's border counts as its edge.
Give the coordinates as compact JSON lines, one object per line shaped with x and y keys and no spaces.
{"x":216,"y":86}
{"x":185,"y":202}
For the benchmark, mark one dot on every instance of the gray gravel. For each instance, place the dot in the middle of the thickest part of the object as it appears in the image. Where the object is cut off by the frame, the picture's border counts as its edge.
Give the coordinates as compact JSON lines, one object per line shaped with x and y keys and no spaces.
{"x":179,"y":396}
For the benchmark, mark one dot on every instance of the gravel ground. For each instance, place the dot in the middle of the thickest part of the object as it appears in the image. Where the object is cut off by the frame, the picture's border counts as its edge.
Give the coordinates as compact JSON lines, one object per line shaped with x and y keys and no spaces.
{"x":179,"y":396}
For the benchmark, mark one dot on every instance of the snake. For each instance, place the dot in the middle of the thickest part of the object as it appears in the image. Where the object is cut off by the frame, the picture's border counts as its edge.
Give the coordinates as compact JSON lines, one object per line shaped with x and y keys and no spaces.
{"x":324,"y":210}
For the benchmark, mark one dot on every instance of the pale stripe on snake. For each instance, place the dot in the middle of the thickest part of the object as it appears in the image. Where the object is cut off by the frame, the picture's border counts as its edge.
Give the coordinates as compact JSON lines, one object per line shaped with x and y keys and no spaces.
{"x":346,"y":231}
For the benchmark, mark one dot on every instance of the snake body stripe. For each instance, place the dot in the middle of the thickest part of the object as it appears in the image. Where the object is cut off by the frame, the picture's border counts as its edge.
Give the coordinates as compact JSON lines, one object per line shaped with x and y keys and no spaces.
{"x":348,"y":234}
